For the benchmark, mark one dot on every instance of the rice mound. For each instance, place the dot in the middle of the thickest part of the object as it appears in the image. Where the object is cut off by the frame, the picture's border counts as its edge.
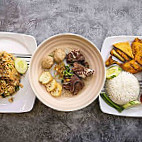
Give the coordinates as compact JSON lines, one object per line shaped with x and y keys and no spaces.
{"x":123,"y":88}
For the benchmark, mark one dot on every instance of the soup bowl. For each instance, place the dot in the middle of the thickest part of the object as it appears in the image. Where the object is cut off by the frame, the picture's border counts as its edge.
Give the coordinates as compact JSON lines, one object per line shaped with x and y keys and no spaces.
{"x":89,"y":93}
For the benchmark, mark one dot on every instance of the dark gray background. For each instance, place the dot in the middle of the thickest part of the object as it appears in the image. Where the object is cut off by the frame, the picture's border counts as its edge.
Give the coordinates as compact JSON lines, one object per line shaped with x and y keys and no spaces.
{"x":95,"y":20}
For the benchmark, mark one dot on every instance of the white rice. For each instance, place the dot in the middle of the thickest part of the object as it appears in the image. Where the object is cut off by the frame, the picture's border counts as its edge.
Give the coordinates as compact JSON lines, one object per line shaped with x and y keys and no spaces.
{"x":123,"y":88}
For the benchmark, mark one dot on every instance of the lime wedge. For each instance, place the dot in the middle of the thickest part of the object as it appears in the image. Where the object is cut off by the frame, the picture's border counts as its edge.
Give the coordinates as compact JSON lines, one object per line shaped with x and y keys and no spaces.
{"x":21,"y":65}
{"x":113,"y":72}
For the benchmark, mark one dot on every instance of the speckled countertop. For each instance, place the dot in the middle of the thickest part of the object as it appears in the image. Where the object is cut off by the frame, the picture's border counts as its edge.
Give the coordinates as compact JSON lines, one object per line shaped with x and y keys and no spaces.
{"x":95,"y":20}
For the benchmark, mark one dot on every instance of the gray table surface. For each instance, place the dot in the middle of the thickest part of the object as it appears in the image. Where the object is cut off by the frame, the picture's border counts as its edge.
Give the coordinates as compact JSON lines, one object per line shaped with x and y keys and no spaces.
{"x":95,"y":20}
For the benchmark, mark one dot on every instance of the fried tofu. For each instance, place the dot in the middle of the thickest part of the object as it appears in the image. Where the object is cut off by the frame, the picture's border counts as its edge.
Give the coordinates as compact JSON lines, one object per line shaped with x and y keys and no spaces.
{"x":51,"y":85}
{"x":123,"y":55}
{"x":132,"y":56}
{"x":124,"y":47}
{"x":45,"y":78}
{"x":114,"y":53}
{"x":131,"y":66}
{"x":57,"y":91}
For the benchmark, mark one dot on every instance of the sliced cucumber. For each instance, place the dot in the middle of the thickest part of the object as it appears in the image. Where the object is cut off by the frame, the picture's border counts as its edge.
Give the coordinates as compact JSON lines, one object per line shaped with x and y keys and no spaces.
{"x":131,"y":104}
{"x":21,"y":65}
{"x":113,"y":72}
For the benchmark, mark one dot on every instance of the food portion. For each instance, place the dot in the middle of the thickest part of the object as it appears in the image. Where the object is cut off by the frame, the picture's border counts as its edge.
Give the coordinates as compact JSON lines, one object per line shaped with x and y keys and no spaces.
{"x":110,"y":62}
{"x":121,"y":89}
{"x":74,"y":85}
{"x":130,"y":56}
{"x":45,"y":77}
{"x":69,"y":72}
{"x":11,"y":69}
{"x":47,"y":62}
{"x":59,"y":55}
{"x":123,"y":55}
{"x":117,"y":55}
{"x":113,"y":71}
{"x":81,"y":70}
{"x":131,"y":66}
{"x":51,"y":85}
{"x":124,"y":47}
{"x":21,"y":65}
{"x":57,"y":91}
{"x":137,"y":50}
{"x":75,"y":56}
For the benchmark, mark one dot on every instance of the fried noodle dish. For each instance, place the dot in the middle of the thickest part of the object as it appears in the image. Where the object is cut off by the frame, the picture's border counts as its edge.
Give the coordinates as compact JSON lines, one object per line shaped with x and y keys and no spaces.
{"x":9,"y":77}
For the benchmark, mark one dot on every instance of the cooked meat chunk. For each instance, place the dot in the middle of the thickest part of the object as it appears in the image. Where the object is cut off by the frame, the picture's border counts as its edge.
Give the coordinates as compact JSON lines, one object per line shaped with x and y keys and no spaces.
{"x":82,"y":71}
{"x":85,"y":64}
{"x":131,"y":66}
{"x":47,"y":62}
{"x":75,"y":56}
{"x":59,"y":55}
{"x":74,"y":85}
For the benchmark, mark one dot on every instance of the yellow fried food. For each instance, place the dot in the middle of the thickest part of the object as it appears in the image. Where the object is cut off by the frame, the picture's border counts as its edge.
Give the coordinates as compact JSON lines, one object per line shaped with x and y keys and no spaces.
{"x":45,"y":77}
{"x":51,"y":85}
{"x":110,"y":61}
{"x":137,"y":50}
{"x":123,"y":55}
{"x":131,"y":66}
{"x":59,"y":55}
{"x":47,"y":62}
{"x":57,"y":91}
{"x":125,"y":47}
{"x":114,"y":53}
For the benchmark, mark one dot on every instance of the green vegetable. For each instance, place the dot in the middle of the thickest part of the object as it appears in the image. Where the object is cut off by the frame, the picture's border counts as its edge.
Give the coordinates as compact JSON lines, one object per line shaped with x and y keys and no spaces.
{"x":67,"y":72}
{"x":3,"y":95}
{"x":51,"y":55}
{"x":113,"y":72}
{"x":10,"y":66}
{"x":131,"y":104}
{"x":16,"y":88}
{"x":111,"y":103}
{"x":21,"y":65}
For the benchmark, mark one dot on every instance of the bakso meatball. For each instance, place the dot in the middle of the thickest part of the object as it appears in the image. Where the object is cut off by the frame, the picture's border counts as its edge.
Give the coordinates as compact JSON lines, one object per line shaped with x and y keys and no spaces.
{"x":47,"y":62}
{"x":59,"y":55}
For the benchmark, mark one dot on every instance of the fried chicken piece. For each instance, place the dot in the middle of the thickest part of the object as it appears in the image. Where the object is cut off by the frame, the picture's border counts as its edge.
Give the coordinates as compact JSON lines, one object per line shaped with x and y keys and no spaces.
{"x":110,"y":62}
{"x":138,"y":57}
{"x":137,"y":50}
{"x":136,"y":44}
{"x":131,"y":66}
